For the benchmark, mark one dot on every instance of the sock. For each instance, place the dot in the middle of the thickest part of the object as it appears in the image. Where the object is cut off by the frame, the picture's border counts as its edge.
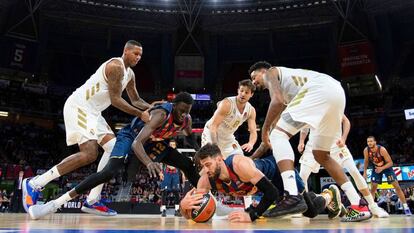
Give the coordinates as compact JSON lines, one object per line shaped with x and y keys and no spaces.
{"x":163,"y":207}
{"x":177,"y":207}
{"x":289,"y":182}
{"x":405,"y":206}
{"x":304,"y":173}
{"x":351,"y":193}
{"x":42,"y":180}
{"x":63,"y":199}
{"x":95,"y":193}
{"x":370,"y":200}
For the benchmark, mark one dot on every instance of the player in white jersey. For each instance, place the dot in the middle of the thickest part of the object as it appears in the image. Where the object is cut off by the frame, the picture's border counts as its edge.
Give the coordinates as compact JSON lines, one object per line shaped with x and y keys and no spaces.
{"x":303,"y":98}
{"x":86,"y":127}
{"x":341,"y":154}
{"x":231,"y":112}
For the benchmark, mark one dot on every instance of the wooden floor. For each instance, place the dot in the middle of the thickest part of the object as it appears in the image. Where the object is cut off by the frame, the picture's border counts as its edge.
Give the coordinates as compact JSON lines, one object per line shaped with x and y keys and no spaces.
{"x":146,"y":223}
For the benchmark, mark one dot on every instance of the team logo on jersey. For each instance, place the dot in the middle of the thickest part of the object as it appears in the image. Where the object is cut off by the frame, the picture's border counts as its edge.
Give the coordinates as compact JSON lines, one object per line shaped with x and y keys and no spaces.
{"x":234,"y":146}
{"x":92,"y":132}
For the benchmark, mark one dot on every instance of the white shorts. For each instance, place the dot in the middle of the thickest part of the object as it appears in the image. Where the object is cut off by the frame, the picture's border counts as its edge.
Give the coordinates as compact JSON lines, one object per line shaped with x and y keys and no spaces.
{"x":82,"y":124}
{"x":228,"y":145}
{"x":340,"y":155}
{"x":319,"y":104}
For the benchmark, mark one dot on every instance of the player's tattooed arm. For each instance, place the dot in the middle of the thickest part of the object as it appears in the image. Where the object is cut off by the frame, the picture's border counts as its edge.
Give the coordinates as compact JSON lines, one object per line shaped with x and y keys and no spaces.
{"x":133,"y":95}
{"x":276,"y":105}
{"x":114,"y":73}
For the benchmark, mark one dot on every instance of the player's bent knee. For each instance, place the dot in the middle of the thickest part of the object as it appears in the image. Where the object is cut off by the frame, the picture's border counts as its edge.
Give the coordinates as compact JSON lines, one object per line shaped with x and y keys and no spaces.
{"x":282,"y":149}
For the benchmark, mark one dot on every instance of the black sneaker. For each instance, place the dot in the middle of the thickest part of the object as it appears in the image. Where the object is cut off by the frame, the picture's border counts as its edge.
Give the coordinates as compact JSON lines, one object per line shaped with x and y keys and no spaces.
{"x":290,"y":204}
{"x":164,"y":213}
{"x":177,"y":213}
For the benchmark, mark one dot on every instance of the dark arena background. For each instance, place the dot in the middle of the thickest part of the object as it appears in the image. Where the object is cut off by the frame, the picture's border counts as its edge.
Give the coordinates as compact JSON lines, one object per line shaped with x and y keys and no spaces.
{"x":48,"y":48}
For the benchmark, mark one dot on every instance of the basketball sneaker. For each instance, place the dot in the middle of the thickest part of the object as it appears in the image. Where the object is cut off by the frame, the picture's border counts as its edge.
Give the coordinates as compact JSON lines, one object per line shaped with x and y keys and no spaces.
{"x":334,"y":207}
{"x":164,"y":213}
{"x":98,"y":208}
{"x":39,"y":211}
{"x":357,"y":213}
{"x":343,"y":212}
{"x":407,"y":211}
{"x":378,"y":211}
{"x":29,"y":194}
{"x":177,"y":213}
{"x":290,"y":204}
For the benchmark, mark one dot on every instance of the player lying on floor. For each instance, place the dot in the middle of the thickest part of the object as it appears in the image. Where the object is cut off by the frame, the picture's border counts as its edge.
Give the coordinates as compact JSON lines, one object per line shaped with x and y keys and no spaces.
{"x":239,"y":176}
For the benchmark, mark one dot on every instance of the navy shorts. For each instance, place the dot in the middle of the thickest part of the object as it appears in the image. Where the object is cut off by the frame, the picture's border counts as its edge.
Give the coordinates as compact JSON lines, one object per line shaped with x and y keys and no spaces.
{"x":171,"y":182}
{"x":389,"y":173}
{"x":267,"y":165}
{"x":156,"y":150}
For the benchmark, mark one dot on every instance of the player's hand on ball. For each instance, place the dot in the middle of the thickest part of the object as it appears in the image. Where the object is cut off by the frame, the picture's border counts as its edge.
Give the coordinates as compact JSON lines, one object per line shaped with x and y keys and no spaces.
{"x":154,"y":168}
{"x":239,"y":216}
{"x":191,"y":200}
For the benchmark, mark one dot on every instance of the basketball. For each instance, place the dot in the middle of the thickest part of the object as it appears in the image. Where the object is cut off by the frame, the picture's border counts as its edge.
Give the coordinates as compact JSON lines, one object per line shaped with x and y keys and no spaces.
{"x":207,"y":210}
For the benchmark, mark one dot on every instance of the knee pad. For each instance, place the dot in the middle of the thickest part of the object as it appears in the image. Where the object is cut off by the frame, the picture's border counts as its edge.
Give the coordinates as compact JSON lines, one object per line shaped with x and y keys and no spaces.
{"x":282,"y":150}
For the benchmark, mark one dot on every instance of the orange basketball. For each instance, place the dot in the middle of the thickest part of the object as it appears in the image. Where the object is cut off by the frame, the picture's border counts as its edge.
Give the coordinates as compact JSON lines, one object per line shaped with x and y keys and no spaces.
{"x":207,"y":210}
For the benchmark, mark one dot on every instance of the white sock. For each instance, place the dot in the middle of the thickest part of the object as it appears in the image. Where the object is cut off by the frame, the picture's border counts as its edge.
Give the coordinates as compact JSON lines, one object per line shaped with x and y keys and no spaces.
{"x":63,"y":199}
{"x":177,"y":207}
{"x":304,"y":173}
{"x":95,"y":194}
{"x":42,"y":180}
{"x":163,"y":207}
{"x":405,"y":206}
{"x":370,"y":200}
{"x":351,"y":193}
{"x":289,"y":182}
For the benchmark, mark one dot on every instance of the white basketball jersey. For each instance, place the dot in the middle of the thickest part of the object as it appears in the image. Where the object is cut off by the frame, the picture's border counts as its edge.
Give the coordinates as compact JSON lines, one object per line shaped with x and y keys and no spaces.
{"x":292,"y":80}
{"x":234,"y":119}
{"x":94,"y":94}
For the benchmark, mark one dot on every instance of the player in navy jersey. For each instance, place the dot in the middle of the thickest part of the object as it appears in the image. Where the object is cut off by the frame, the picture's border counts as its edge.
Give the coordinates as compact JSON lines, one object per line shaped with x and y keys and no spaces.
{"x":381,"y":162}
{"x":238,"y":175}
{"x":149,"y":142}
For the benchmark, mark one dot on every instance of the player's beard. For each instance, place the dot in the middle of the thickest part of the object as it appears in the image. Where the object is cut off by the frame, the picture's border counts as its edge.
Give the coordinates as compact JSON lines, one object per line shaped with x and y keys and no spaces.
{"x":217,"y":172}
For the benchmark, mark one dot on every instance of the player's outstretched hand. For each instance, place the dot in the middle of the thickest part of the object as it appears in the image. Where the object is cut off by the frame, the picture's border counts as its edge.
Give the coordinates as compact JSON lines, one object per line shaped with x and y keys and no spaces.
{"x":247,"y":147}
{"x":239,"y":216}
{"x":154,"y":169}
{"x":301,"y":147}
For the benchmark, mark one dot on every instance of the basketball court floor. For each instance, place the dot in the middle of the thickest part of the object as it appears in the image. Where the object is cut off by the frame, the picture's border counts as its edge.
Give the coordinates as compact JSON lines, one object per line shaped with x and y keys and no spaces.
{"x":153,"y":223}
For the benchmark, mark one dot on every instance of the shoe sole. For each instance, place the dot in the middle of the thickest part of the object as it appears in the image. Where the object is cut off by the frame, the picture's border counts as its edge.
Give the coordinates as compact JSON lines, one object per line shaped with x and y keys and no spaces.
{"x":96,"y":212}
{"x":24,"y":189}
{"x":297,"y":211}
{"x":360,"y":219}
{"x":30,"y":212}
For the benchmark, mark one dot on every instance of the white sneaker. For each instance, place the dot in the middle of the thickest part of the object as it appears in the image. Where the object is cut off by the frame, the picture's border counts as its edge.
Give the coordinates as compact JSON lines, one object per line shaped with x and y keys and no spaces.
{"x":38,"y":211}
{"x":378,"y":211}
